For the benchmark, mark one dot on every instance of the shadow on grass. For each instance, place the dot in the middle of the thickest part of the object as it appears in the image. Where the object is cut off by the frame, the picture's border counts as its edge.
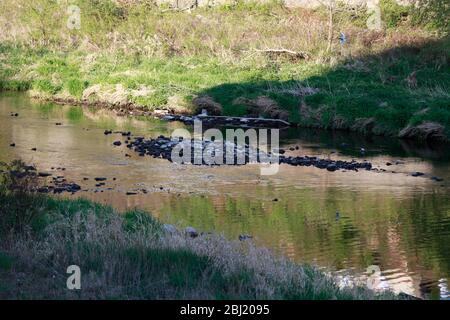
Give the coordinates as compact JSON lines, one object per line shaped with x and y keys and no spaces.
{"x":375,"y":94}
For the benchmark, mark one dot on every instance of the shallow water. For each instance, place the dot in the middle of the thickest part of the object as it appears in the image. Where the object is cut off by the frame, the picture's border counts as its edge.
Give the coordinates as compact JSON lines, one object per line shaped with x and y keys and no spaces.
{"x":397,"y":222}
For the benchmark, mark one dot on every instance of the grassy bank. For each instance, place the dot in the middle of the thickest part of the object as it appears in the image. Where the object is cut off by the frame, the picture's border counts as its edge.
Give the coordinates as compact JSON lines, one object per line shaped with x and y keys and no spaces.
{"x":130,"y":255}
{"x":221,"y":58}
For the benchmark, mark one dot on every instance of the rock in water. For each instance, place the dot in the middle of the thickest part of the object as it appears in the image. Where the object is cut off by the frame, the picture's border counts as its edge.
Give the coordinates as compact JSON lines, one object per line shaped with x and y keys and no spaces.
{"x":332,"y":167}
{"x":44,"y":174}
{"x":417,"y":174}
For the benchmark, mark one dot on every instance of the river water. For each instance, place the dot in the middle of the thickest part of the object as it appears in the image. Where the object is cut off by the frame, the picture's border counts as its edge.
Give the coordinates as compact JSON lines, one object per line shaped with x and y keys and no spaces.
{"x":394,"y":221}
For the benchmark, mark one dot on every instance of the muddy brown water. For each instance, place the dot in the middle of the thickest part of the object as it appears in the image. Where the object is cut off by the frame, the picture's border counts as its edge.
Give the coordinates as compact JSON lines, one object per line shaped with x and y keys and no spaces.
{"x":394,"y":221}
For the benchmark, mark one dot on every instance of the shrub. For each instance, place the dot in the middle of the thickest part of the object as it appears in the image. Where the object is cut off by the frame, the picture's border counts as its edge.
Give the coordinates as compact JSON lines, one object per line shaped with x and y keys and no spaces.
{"x":392,"y":13}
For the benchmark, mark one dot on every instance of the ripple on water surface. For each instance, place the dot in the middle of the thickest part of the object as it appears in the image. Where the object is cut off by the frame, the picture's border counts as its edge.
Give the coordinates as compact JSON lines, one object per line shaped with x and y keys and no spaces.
{"x":341,"y":221}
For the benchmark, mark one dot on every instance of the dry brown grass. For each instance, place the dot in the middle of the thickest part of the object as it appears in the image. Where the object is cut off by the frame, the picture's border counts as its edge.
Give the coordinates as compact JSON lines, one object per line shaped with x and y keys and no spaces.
{"x":222,"y":32}
{"x":129,"y":256}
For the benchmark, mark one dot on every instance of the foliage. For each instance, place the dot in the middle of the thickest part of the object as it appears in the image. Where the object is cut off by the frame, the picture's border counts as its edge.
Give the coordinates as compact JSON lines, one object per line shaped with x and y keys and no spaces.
{"x":434,"y":14}
{"x":151,"y":57}
{"x":393,"y":14}
{"x":129,"y":256}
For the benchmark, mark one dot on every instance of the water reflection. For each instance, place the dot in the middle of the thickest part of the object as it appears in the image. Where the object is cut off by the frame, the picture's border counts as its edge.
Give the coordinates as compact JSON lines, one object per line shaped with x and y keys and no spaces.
{"x":395,"y":221}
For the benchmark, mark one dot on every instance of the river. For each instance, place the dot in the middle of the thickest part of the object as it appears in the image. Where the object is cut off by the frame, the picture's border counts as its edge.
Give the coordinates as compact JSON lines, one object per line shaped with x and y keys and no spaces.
{"x":395,"y":221}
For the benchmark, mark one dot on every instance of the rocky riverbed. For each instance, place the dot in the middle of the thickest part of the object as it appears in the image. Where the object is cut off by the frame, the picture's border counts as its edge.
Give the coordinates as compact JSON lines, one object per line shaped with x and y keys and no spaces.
{"x":164,"y":147}
{"x":199,"y":152}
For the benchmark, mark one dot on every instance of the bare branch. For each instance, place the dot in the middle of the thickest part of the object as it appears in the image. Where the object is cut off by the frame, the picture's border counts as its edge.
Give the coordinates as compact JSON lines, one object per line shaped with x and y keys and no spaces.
{"x":296,"y":54}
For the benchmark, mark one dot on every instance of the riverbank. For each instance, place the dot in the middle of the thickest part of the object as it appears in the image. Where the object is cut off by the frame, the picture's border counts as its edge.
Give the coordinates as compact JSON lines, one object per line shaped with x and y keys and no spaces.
{"x":130,"y":255}
{"x":228,"y":60}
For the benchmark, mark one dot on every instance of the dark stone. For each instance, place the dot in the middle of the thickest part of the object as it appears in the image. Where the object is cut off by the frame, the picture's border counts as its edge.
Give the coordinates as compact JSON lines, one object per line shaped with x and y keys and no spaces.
{"x":33,"y":149}
{"x":332,"y":167}
{"x":100,"y":179}
{"x":12,"y":145}
{"x":437,"y":179}
{"x":417,"y":174}
{"x":162,"y":147}
{"x":44,"y":174}
{"x":117,"y":143}
{"x":74,"y":187}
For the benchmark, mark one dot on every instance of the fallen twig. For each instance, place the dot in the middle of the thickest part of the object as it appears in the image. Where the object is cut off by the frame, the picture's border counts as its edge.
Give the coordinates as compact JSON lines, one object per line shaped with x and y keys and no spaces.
{"x":296,"y":54}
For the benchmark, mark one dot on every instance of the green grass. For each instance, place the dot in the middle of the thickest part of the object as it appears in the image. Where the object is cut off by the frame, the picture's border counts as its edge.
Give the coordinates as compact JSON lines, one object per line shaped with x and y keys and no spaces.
{"x":375,"y":87}
{"x":164,"y":59}
{"x":6,"y":262}
{"x":392,"y":13}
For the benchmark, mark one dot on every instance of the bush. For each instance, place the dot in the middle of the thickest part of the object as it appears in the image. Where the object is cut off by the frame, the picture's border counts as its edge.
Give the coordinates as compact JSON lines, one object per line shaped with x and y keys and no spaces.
{"x":392,"y":13}
{"x":434,"y":14}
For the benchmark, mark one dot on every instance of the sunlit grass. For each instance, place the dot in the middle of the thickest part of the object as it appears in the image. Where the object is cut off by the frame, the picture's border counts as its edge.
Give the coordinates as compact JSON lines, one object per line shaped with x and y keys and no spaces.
{"x":377,"y":82}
